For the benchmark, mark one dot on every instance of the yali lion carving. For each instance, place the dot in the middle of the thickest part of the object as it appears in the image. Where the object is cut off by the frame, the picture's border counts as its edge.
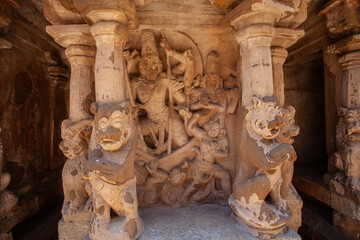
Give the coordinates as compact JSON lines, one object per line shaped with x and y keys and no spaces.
{"x":347,"y":159}
{"x":287,"y":190}
{"x":77,"y":205}
{"x":259,"y":169}
{"x":111,"y":173}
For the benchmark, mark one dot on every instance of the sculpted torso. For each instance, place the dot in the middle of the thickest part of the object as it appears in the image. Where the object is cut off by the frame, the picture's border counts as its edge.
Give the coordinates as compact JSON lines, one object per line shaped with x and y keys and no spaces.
{"x":152,"y":95}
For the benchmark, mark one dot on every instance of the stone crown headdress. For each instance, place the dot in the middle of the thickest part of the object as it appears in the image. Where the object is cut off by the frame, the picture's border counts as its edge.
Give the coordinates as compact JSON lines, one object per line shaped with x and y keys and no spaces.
{"x":148,"y":45}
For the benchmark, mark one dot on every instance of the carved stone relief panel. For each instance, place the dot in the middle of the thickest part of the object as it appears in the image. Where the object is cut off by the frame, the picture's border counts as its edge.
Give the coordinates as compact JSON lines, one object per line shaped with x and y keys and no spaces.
{"x":181,"y":121}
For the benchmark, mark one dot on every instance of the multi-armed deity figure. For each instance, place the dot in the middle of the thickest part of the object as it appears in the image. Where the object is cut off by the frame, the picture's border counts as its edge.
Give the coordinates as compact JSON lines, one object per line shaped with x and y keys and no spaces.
{"x":263,"y":168}
{"x":190,"y":116}
{"x":151,"y":90}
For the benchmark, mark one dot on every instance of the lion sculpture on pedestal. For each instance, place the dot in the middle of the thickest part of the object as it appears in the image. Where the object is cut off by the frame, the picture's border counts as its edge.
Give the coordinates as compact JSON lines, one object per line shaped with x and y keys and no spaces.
{"x":257,"y":200}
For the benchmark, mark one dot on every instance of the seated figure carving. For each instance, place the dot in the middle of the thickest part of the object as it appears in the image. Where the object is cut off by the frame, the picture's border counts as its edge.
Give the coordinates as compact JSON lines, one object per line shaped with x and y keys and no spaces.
{"x":77,"y":204}
{"x":256,"y":199}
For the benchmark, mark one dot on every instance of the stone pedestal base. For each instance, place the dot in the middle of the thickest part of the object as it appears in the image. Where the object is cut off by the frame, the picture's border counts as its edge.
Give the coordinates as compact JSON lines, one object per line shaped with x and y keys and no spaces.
{"x":73,"y":230}
{"x":209,"y":221}
{"x":345,"y":199}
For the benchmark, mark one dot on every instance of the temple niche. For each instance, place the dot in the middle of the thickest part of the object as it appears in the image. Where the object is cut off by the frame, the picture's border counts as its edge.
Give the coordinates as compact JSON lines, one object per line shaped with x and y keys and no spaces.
{"x":181,"y":116}
{"x":181,"y":121}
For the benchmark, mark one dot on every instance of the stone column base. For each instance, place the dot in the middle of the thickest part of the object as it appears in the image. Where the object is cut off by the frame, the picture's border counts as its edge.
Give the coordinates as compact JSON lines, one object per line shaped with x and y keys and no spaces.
{"x":73,"y":230}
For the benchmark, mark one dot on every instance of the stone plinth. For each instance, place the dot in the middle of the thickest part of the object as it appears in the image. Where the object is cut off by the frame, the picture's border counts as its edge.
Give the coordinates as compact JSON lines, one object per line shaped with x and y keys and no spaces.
{"x":73,"y":230}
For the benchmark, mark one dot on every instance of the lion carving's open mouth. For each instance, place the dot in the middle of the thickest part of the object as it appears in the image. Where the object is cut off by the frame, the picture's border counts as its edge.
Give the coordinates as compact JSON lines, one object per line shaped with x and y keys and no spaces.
{"x":114,"y":141}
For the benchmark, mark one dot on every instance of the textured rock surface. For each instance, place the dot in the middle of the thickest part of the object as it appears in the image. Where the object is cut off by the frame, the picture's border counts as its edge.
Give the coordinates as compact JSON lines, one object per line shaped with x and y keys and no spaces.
{"x":73,"y":230}
{"x":207,"y":221}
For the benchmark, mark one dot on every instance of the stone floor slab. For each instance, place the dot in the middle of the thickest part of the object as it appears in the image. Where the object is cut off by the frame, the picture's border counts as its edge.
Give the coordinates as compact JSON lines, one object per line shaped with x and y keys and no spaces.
{"x":209,"y":221}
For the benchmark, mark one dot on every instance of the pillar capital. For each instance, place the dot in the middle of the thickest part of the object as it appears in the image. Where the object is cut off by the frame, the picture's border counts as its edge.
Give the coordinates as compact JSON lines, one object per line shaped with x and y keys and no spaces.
{"x":350,"y":60}
{"x":278,"y":55}
{"x":286,"y":37}
{"x":258,"y":35}
{"x":121,"y":11}
{"x":80,"y":55}
{"x":74,"y":34}
{"x":349,"y":44}
{"x":250,"y":12}
{"x":348,"y":50}
{"x":110,"y":32}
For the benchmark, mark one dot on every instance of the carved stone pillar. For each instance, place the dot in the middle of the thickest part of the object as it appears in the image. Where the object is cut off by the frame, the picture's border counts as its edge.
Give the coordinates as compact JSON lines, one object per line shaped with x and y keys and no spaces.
{"x":347,"y":159}
{"x":284,"y":38}
{"x":344,"y":165}
{"x":110,"y":84}
{"x":266,"y":127}
{"x":256,"y":69}
{"x":80,"y":51}
{"x":58,"y":76}
{"x":110,"y":169}
{"x":278,"y":56}
{"x":76,"y":131}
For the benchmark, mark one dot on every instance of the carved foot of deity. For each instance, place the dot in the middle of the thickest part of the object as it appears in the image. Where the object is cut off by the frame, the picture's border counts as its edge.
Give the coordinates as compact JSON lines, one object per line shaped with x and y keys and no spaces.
{"x":8,"y":202}
{"x":259,"y":218}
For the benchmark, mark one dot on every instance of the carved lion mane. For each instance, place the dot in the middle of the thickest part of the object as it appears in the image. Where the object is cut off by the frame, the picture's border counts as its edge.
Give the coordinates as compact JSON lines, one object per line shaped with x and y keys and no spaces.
{"x":348,"y":128}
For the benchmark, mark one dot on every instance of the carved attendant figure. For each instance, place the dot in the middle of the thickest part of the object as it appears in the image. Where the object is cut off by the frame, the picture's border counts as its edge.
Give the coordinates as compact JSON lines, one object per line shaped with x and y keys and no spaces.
{"x":213,"y":146}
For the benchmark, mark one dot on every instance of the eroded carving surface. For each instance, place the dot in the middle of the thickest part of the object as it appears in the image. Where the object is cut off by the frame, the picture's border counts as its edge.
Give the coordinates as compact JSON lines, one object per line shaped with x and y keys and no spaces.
{"x":347,"y":159}
{"x":110,"y":172}
{"x":77,"y":204}
{"x":181,"y":125}
{"x":264,"y":169}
